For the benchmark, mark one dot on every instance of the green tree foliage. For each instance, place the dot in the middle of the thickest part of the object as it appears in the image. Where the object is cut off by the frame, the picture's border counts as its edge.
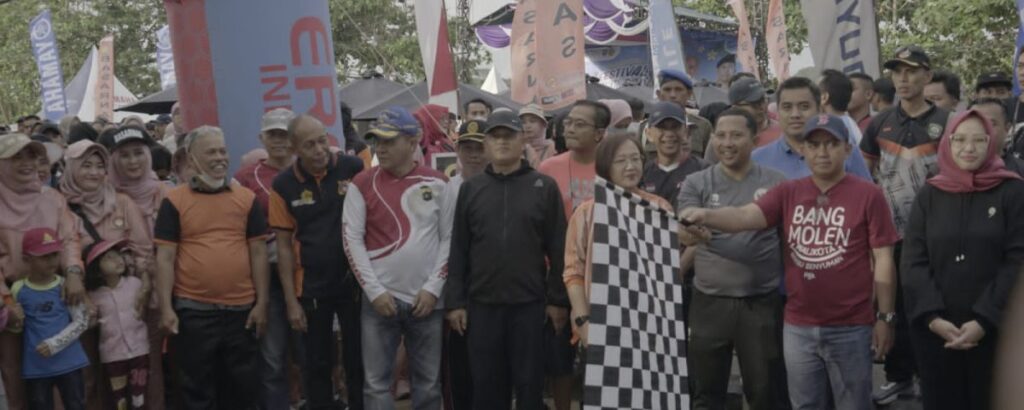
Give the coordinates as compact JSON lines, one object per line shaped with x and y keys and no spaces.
{"x":969,"y":37}
{"x":79,"y":25}
{"x":377,"y":35}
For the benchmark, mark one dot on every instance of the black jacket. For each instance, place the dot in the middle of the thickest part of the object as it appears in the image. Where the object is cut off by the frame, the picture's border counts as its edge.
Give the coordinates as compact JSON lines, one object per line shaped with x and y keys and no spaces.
{"x":508,"y":241}
{"x":961,"y":254}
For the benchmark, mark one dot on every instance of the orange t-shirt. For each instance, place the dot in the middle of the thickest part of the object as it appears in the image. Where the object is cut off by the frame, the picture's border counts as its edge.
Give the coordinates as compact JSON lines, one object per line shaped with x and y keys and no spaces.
{"x":575,"y":180}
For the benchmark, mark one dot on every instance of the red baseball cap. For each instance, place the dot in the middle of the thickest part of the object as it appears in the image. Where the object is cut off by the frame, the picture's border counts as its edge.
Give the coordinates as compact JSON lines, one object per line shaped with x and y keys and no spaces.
{"x":97,"y":250}
{"x":40,"y":242}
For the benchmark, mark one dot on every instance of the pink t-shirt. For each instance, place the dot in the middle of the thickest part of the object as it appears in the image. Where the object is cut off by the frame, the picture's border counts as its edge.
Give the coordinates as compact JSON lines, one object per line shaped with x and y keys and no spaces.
{"x":575,"y":180}
{"x":828,"y":241}
{"x":122,"y":334}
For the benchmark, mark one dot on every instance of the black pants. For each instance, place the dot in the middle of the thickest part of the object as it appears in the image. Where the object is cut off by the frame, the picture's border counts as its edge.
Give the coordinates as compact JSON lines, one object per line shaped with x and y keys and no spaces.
{"x":899,"y":362}
{"x":457,"y":383}
{"x":319,"y":346}
{"x":506,"y":353}
{"x":218,"y":360}
{"x":70,"y":385}
{"x":750,"y":326}
{"x":953,"y":379}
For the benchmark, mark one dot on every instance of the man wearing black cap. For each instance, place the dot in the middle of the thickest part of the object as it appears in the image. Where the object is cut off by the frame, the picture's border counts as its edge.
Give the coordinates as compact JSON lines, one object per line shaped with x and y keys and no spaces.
{"x":505,"y":270}
{"x":667,"y":129}
{"x":456,"y":380}
{"x":27,"y":123}
{"x":901,"y":146}
{"x":675,"y":86}
{"x":838,"y":238}
{"x":748,"y":94}
{"x":993,"y":85}
{"x":885,"y":95}
{"x":52,"y":132}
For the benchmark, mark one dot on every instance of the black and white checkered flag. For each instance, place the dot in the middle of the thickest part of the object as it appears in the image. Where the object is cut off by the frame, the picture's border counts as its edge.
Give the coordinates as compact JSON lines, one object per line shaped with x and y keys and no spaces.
{"x":636,"y":354}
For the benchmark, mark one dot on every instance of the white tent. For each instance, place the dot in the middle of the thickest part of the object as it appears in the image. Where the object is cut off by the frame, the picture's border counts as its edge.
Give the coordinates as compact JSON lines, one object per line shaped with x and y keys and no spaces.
{"x":79,"y":92}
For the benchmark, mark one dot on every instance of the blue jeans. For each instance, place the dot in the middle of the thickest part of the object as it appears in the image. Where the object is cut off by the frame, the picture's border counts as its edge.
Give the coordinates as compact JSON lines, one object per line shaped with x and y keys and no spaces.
{"x":837,"y":355}
{"x":274,"y":350}
{"x":380,"y":344}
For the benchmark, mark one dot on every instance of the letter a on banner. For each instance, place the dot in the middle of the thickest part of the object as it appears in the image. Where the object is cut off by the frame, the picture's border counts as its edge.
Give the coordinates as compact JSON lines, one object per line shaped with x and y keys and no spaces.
{"x":523,"y":40}
{"x":744,"y":42}
{"x":432,"y":28}
{"x":51,"y":79}
{"x":560,"y":56}
{"x":230,"y":74}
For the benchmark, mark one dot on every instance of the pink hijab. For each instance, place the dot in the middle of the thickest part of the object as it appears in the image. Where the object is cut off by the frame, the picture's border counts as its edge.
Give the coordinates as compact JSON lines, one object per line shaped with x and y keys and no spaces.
{"x":98,"y":203}
{"x":18,"y":201}
{"x":619,"y":109}
{"x":952,"y":178}
{"x":144,"y":191}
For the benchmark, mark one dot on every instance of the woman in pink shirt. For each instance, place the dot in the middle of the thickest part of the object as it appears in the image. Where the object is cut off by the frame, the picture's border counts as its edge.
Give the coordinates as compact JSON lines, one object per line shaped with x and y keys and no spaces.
{"x":123,"y":343}
{"x":25,"y":203}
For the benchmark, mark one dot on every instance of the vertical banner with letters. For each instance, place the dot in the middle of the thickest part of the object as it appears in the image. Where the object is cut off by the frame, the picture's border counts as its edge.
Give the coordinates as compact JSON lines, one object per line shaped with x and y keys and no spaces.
{"x":843,"y":35}
{"x":165,"y":58}
{"x":230,"y":74}
{"x":744,"y":41}
{"x":775,"y":33}
{"x":103,"y":96}
{"x":666,"y":46}
{"x":51,"y":79}
{"x":560,"y":53}
{"x":523,"y":39}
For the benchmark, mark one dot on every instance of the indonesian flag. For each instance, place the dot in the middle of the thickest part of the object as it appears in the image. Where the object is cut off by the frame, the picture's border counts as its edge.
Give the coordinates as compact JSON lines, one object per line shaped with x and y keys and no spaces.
{"x":432,"y":28}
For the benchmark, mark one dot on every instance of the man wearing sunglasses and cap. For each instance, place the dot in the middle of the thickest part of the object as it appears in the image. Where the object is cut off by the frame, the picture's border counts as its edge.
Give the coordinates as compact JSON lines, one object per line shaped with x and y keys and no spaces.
{"x":838,"y":236}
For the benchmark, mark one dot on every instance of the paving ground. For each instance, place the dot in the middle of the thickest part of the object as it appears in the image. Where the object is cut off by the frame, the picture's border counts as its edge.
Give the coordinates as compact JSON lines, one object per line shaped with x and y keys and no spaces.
{"x":908,"y":403}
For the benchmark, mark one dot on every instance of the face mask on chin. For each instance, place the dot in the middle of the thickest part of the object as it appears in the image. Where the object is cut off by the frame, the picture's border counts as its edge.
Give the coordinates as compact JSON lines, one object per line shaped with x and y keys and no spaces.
{"x":204,"y":180}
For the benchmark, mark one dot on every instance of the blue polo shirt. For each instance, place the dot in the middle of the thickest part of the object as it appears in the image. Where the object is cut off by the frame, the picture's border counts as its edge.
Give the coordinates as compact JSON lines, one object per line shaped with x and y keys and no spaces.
{"x":781,"y":157}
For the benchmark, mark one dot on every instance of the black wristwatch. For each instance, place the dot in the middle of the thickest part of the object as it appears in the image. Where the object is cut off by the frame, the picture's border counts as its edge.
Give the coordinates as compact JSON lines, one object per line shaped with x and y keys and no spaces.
{"x":580,"y":321}
{"x":889,"y":318}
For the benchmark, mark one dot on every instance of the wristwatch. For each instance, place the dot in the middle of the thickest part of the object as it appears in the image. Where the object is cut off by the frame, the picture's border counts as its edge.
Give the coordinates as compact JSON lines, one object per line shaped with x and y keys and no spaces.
{"x":581,"y":320}
{"x":74,"y":270}
{"x":889,"y":318}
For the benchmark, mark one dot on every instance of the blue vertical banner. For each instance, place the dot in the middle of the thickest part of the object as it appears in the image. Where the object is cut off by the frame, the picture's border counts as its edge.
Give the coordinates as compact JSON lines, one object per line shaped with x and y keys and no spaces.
{"x":1020,"y":44}
{"x":165,"y":58}
{"x":666,"y":46}
{"x":51,"y":80}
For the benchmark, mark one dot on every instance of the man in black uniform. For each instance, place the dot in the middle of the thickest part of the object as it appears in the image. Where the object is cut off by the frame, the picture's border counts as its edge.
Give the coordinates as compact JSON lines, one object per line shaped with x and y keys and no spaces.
{"x":670,"y":135}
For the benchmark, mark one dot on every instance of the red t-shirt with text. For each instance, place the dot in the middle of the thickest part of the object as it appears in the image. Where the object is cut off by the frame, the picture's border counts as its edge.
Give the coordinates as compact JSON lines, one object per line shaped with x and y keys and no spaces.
{"x":828,"y":240}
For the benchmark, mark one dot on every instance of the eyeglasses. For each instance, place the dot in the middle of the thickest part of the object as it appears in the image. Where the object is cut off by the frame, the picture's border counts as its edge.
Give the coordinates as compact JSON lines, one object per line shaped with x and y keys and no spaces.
{"x":570,"y":123}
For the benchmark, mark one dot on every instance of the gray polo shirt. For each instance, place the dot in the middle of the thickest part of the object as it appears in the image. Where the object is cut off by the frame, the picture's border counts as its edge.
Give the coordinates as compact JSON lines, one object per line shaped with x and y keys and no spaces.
{"x":739,"y":264}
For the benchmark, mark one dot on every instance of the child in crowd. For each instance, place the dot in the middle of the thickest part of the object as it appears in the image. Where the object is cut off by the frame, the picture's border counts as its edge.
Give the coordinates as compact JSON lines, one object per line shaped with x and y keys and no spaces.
{"x":52,"y":357}
{"x":124,"y":344}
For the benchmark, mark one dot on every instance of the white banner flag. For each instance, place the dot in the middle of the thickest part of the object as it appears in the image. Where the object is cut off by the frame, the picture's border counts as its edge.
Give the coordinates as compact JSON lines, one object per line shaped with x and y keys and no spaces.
{"x":843,"y":35}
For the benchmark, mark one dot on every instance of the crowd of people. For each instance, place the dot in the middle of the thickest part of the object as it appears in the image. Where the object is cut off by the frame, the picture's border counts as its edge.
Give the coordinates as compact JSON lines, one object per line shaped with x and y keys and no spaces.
{"x":825,"y":225}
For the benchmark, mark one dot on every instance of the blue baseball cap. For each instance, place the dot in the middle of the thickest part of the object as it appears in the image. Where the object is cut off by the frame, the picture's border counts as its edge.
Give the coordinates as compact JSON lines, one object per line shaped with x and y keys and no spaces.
{"x":828,"y":123}
{"x":674,"y":75}
{"x":664,"y":110}
{"x":393,"y":122}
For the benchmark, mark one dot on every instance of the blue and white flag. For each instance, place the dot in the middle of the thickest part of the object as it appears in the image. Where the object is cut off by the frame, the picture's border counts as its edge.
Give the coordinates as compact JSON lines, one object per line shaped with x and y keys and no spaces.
{"x":1020,"y":44}
{"x":666,"y":46}
{"x":51,"y":80}
{"x":165,"y":58}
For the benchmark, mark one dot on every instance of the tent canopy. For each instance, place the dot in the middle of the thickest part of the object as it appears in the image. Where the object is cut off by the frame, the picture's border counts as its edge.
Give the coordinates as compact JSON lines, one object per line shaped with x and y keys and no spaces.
{"x":156,"y":103}
{"x":416,"y":96}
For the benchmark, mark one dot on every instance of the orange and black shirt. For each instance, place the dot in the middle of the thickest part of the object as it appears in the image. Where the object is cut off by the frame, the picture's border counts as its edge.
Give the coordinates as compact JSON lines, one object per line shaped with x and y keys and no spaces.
{"x":310,"y":206}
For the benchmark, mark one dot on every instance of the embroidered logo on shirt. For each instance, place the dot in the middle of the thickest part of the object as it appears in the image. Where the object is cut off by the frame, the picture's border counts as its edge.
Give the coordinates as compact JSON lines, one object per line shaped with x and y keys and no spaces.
{"x":991,"y":212}
{"x":714,"y":200}
{"x":427,"y":193}
{"x":306,"y":198}
{"x":934,"y":131}
{"x":539,"y":183}
{"x":759,"y":193}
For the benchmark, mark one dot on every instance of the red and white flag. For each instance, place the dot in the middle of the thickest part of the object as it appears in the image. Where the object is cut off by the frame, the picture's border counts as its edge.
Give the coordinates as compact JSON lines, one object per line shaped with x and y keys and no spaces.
{"x":744,"y":41}
{"x":775,"y":34}
{"x":432,"y":29}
